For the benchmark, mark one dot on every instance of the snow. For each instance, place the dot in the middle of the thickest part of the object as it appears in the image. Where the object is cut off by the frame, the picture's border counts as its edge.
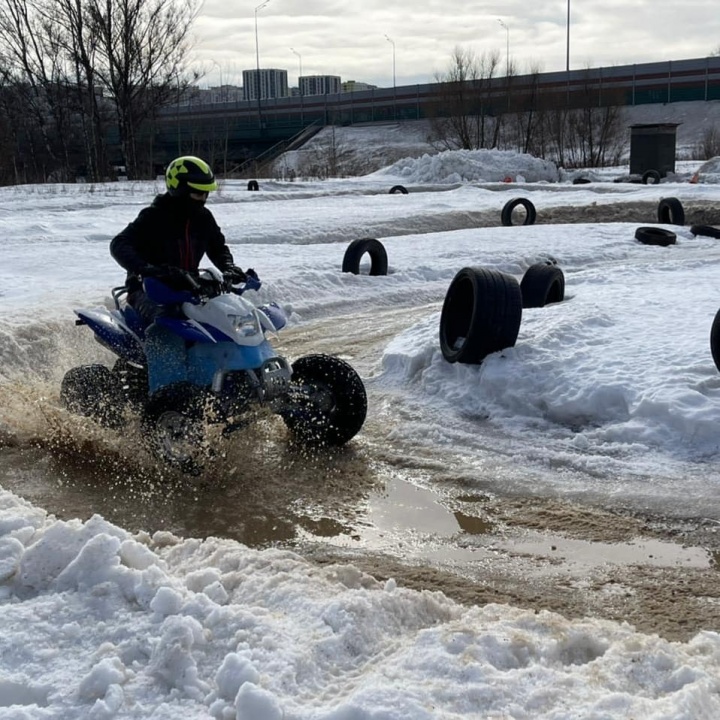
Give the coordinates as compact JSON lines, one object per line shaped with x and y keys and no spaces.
{"x":611,"y":393}
{"x":709,"y":171}
{"x":458,"y":166}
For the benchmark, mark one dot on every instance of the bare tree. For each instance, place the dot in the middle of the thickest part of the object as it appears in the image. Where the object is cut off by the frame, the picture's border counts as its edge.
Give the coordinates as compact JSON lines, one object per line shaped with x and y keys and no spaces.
{"x":80,"y":47}
{"x":142,"y":48}
{"x":594,"y":127}
{"x":526,"y":108}
{"x":32,"y":65}
{"x":463,"y":118}
{"x":73,"y":67}
{"x":708,"y":145}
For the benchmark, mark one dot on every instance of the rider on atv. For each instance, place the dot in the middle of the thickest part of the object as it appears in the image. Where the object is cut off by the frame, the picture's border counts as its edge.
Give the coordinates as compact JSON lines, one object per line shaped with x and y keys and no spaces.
{"x":202,"y":355}
{"x":174,"y":232}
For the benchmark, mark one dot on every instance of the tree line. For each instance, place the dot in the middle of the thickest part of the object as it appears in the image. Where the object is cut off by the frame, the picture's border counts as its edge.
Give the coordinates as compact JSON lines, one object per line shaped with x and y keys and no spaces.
{"x":74,"y":73}
{"x":479,"y":107}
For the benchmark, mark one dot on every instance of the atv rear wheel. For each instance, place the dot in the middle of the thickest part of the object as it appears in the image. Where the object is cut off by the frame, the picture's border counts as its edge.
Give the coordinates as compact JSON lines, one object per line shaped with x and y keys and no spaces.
{"x":329,"y":403}
{"x":174,"y":426}
{"x":93,"y":391}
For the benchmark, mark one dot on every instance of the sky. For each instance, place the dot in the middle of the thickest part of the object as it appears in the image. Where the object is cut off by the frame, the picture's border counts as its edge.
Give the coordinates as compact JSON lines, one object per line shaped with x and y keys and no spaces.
{"x":350,"y":39}
{"x":610,"y":394}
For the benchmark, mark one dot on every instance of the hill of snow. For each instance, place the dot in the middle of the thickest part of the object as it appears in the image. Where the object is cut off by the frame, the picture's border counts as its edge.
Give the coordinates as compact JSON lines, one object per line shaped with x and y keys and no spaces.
{"x":363,"y":149}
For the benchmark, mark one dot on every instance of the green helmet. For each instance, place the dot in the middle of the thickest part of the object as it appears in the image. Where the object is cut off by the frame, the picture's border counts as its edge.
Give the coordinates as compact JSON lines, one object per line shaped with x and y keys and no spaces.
{"x":189,"y":174}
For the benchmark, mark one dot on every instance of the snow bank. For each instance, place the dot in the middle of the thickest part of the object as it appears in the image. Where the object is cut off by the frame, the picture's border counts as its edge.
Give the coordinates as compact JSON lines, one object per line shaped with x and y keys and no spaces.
{"x":100,"y":624}
{"x":458,"y":166}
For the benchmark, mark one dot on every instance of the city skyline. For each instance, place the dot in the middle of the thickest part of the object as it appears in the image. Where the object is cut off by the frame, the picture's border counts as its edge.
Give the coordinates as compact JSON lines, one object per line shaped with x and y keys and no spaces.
{"x":384,"y":45}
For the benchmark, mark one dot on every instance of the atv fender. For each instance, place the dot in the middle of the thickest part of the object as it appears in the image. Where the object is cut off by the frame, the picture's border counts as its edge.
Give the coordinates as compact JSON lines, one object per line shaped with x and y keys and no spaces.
{"x":112,"y":332}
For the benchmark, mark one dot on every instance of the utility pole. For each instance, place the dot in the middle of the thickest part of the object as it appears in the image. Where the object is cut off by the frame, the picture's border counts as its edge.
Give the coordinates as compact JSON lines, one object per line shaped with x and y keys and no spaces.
{"x":300,"y":71}
{"x":392,"y":42}
{"x":257,"y":62}
{"x":567,"y":55}
{"x":507,"y":48}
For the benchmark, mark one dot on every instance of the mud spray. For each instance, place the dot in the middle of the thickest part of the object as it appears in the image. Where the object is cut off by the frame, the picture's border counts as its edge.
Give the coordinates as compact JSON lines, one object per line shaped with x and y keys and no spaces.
{"x":258,"y":485}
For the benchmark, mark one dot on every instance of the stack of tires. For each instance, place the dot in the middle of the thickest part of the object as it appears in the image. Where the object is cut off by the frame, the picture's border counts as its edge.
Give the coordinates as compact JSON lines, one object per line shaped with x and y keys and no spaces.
{"x":483,"y":308}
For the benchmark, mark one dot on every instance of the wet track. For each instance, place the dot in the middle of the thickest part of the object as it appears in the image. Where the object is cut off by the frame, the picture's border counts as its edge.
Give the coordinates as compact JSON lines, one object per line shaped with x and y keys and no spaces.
{"x":394,"y":510}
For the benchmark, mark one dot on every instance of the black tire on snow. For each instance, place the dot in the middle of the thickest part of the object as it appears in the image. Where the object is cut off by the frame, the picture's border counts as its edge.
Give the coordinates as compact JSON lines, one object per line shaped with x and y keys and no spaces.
{"x":253,"y":185}
{"x":398,"y":189}
{"x":174,"y":426}
{"x":705,"y":231}
{"x":650,"y":174}
{"x":581,"y":181}
{"x":510,"y":205}
{"x":481,"y":315}
{"x":542,"y":284}
{"x":670,"y":211}
{"x":334,"y":404}
{"x":715,"y":340}
{"x":93,"y":391}
{"x":655,"y":236}
{"x":355,"y":251}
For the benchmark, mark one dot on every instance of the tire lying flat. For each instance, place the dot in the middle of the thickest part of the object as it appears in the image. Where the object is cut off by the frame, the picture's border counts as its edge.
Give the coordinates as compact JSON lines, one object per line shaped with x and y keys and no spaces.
{"x":481,"y":315}
{"x":705,"y":231}
{"x":655,"y":236}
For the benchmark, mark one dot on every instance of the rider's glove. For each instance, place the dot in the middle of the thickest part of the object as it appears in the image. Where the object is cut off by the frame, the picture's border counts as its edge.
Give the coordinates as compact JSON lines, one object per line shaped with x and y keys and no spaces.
{"x":234,"y":275}
{"x":155,"y":271}
{"x":251,"y":273}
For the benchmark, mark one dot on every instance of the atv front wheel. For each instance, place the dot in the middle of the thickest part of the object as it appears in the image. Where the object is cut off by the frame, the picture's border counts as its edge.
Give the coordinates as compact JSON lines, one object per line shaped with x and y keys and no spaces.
{"x":93,"y":391}
{"x":174,"y":424}
{"x":328,"y":401}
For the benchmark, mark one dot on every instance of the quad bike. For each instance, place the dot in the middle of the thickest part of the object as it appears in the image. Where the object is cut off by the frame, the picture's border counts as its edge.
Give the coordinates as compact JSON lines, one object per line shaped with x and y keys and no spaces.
{"x":206,"y":359}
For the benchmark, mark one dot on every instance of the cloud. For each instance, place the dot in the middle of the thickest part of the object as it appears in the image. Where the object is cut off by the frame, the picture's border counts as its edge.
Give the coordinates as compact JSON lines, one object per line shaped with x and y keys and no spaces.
{"x":348,"y":38}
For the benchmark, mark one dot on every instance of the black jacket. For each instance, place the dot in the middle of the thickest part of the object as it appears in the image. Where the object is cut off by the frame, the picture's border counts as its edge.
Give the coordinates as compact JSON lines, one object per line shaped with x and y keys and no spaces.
{"x":171,"y":231}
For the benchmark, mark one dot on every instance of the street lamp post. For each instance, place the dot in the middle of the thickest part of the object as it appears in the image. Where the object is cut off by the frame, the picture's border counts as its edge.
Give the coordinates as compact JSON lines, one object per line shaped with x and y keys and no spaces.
{"x":507,"y":47}
{"x":392,"y":42}
{"x":567,"y":55}
{"x":300,"y":66}
{"x":302,"y":102}
{"x":257,"y":61}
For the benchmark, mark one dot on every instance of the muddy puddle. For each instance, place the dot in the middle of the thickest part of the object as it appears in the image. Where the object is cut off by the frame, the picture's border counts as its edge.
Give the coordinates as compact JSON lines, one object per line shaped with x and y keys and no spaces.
{"x":390,"y":517}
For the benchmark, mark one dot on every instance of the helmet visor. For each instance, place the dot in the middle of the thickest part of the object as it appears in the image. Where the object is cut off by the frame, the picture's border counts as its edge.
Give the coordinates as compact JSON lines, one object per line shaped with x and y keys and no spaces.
{"x":203,"y":187}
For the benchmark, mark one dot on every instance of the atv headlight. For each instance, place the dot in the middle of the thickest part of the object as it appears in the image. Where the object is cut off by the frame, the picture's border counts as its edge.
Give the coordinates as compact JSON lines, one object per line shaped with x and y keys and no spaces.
{"x":245,"y":325}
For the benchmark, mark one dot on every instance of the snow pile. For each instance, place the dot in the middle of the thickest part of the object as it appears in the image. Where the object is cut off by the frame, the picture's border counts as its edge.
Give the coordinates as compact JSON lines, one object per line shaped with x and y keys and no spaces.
{"x":458,"y":166}
{"x":709,"y":172}
{"x":100,"y":624}
{"x":354,"y":151}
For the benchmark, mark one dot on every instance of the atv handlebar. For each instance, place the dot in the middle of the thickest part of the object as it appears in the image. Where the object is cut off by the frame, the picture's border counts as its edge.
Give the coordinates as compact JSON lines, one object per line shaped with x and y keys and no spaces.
{"x":194,"y":286}
{"x":251,"y":283}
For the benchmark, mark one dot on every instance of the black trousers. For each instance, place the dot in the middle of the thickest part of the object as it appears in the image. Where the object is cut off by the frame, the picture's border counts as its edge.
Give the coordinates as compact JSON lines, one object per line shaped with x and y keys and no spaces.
{"x":146,"y":308}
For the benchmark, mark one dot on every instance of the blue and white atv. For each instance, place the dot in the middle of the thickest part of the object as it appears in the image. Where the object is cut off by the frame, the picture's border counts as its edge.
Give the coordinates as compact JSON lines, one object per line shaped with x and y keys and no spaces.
{"x":206,"y":359}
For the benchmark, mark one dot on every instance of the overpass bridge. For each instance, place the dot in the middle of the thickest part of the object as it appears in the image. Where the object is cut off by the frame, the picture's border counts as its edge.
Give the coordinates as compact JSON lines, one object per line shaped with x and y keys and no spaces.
{"x":235,"y":134}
